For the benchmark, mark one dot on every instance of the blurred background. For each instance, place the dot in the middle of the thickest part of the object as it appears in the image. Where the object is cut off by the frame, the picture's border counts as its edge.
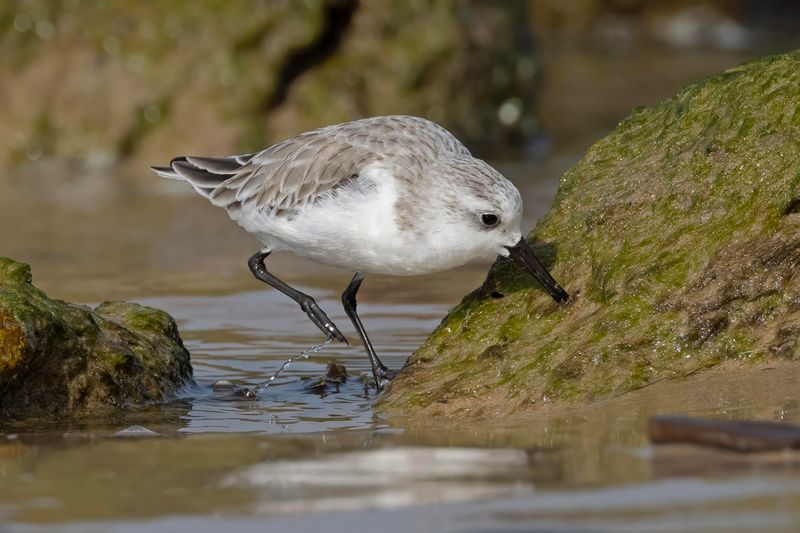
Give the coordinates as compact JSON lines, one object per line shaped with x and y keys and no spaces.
{"x":95,"y":91}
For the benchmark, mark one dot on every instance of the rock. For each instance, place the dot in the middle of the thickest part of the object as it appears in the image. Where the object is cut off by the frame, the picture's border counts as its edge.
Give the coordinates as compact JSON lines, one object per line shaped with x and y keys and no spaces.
{"x":678,"y":237}
{"x":335,"y":376}
{"x":222,"y":385}
{"x":58,"y":358}
{"x":189,"y":77}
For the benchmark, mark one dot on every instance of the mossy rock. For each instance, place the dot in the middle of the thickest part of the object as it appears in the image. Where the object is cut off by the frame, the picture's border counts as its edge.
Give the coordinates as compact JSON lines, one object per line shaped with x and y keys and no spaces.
{"x":226,"y":77}
{"x":678,"y":237}
{"x":58,"y":358}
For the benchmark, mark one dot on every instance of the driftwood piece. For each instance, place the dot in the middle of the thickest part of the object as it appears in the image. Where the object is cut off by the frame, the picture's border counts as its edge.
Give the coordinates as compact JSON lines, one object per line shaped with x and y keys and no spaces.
{"x":737,"y":435}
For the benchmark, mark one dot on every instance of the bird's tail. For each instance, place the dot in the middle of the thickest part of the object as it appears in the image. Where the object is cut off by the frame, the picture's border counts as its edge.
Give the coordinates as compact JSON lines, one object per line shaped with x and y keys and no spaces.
{"x":204,"y":174}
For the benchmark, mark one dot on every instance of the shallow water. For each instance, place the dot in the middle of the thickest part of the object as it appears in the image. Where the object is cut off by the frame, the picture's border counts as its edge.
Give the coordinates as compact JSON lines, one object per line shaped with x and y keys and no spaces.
{"x":295,"y":458}
{"x":305,"y":460}
{"x":250,"y":344}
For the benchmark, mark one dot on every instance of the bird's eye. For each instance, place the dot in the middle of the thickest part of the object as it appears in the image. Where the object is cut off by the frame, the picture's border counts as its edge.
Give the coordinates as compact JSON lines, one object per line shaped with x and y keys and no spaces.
{"x":490,"y":220}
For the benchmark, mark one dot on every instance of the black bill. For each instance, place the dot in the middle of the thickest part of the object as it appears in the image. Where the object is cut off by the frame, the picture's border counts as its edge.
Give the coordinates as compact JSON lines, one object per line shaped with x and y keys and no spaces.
{"x":522,"y":254}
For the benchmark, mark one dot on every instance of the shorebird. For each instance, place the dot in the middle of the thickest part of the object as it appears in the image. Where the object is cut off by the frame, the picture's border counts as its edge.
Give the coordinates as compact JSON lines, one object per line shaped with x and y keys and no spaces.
{"x":396,"y":195}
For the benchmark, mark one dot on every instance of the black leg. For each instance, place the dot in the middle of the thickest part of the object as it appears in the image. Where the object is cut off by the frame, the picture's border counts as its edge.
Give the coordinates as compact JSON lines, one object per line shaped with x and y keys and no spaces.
{"x":307,"y":303}
{"x":382,"y":374}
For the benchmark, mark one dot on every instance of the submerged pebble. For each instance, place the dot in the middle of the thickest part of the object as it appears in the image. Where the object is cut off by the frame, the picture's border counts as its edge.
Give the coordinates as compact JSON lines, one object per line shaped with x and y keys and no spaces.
{"x":222,"y":385}
{"x":335,"y":376}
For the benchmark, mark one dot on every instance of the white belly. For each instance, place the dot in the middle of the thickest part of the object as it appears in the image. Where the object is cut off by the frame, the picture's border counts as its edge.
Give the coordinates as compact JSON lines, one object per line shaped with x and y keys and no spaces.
{"x":358,"y":231}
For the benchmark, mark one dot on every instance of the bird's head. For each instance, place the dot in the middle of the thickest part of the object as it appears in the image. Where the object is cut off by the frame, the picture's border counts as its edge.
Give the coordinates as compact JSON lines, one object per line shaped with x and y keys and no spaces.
{"x":488,"y":210}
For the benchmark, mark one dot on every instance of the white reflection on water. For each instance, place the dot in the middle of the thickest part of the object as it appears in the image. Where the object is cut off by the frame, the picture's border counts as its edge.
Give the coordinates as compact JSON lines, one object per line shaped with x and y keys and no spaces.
{"x":681,"y":505}
{"x":384,"y":478}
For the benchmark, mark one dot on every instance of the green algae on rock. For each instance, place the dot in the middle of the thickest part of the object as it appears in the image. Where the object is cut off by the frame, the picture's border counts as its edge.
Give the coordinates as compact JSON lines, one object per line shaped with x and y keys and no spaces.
{"x":58,"y":358}
{"x":678,"y":237}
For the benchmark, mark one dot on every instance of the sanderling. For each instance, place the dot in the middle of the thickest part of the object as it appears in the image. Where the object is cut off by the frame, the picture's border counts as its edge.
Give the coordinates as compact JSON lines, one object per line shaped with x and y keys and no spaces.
{"x":395,"y":195}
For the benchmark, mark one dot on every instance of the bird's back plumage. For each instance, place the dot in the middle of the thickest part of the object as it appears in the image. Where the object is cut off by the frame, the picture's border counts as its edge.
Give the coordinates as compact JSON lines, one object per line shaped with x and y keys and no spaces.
{"x":296,"y":172}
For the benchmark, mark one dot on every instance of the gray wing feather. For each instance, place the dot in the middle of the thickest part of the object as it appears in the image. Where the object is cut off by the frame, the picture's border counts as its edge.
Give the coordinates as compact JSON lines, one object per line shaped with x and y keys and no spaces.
{"x":298,"y":171}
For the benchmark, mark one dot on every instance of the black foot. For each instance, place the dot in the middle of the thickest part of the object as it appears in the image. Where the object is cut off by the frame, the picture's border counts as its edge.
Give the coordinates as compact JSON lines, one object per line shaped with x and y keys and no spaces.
{"x":321,"y":320}
{"x":383,"y":377}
